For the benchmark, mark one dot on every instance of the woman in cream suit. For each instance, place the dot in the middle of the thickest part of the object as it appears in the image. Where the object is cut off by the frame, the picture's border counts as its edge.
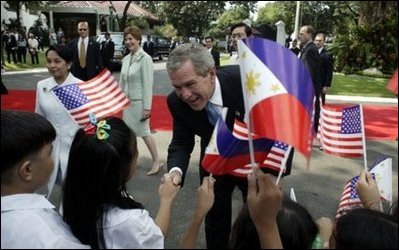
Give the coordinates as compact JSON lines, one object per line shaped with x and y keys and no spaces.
{"x":59,"y":60}
{"x":136,"y":80}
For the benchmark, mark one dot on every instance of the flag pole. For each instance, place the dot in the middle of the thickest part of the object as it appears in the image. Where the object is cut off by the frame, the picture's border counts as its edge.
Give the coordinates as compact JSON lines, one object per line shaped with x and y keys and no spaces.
{"x":246,"y":105}
{"x":250,"y":140}
{"x":363,"y":138}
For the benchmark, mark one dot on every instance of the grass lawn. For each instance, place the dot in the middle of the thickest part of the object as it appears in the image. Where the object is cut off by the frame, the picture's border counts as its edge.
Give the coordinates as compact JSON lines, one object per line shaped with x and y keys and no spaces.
{"x":352,"y":85}
{"x":357,"y":85}
{"x":25,"y":66}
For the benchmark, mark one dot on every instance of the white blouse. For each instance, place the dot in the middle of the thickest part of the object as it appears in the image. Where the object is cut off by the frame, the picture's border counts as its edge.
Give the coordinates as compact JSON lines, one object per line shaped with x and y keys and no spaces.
{"x":132,"y":229}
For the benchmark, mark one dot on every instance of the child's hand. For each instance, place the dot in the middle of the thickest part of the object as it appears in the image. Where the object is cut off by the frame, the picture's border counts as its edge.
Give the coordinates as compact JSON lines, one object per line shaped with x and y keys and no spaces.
{"x":325,"y":226}
{"x":205,"y":197}
{"x":368,"y":192}
{"x":167,"y":190}
{"x":264,"y":197}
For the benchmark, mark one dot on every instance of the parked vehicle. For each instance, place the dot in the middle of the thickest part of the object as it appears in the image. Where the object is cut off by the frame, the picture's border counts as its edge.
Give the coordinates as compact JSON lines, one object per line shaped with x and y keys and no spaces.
{"x":117,"y":38}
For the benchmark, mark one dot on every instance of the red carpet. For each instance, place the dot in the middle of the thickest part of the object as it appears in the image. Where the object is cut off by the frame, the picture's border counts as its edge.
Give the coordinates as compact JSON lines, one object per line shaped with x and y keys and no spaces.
{"x":381,"y":122}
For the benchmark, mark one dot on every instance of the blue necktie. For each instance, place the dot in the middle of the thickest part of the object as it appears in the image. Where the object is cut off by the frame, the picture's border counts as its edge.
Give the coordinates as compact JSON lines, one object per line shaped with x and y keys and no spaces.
{"x":213,"y":113}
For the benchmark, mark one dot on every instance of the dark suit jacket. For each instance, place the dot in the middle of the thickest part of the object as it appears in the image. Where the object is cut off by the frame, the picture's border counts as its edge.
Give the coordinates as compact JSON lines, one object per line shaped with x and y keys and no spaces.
{"x":107,"y":52}
{"x":310,"y":57}
{"x":326,"y":68}
{"x":148,"y":47}
{"x":94,"y":62}
{"x":216,"y":57}
{"x":187,"y":123}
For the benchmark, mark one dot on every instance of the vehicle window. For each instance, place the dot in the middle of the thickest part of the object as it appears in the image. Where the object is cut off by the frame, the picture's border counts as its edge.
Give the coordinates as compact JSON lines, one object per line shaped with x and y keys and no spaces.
{"x":162,"y":41}
{"x":118,"y":39}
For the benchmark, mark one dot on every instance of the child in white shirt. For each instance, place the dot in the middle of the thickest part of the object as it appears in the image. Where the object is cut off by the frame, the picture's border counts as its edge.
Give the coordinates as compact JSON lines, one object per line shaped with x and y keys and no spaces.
{"x":96,"y":204}
{"x":28,"y":219}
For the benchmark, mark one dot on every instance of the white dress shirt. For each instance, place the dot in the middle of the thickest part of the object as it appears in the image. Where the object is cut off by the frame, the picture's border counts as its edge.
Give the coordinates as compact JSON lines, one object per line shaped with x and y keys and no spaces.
{"x":29,"y":221}
{"x":131,"y":229}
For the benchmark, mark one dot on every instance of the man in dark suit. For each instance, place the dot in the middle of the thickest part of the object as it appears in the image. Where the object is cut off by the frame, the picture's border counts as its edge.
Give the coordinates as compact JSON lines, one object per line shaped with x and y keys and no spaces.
{"x":107,"y":51}
{"x":326,"y":65}
{"x":310,"y":57}
{"x":214,"y":52}
{"x":148,"y":46}
{"x":87,"y":61}
{"x":198,"y":85}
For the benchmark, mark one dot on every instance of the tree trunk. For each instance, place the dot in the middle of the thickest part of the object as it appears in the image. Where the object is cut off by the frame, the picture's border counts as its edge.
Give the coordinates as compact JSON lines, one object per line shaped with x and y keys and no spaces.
{"x":124,"y":17}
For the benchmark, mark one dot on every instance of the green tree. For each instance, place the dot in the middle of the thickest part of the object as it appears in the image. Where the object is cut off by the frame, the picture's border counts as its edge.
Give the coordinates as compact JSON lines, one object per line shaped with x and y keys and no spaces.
{"x":29,"y":5}
{"x":234,"y":15}
{"x":365,"y":32}
{"x":194,"y":18}
{"x":370,"y":40}
{"x":319,"y":14}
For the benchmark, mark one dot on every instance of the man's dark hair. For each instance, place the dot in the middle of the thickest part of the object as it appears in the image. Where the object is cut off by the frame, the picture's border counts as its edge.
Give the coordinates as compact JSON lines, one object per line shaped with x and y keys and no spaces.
{"x":209,"y":37}
{"x":248,"y":29}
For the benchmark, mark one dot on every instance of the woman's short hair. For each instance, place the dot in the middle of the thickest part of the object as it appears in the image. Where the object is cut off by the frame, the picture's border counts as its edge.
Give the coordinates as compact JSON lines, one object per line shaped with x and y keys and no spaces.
{"x":63,"y":51}
{"x":134,"y":31}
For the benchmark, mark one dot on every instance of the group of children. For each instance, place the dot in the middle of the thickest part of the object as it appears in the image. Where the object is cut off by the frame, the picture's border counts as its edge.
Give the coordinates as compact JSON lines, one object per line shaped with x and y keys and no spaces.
{"x":98,"y":211}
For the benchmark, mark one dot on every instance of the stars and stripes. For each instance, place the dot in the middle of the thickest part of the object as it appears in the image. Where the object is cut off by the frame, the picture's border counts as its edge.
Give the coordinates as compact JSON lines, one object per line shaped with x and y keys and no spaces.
{"x":341,"y":131}
{"x":349,"y":199}
{"x":101,"y":96}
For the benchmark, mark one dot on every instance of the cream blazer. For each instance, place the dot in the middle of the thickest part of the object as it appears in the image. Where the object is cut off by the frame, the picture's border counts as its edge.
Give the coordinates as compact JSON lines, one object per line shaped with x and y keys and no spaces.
{"x":137,"y":77}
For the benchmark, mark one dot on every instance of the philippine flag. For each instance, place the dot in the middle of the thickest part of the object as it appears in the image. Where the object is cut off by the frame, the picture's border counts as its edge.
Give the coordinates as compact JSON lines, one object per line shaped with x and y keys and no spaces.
{"x":279,"y":93}
{"x":225,"y":152}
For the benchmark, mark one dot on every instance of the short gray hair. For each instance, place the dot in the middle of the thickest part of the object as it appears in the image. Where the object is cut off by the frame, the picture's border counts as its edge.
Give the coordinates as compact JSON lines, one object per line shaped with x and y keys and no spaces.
{"x":200,"y":57}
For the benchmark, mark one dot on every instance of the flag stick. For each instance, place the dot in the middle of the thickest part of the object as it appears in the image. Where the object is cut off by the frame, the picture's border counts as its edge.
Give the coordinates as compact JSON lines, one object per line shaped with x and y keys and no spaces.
{"x":246,"y":105}
{"x":363,"y":138}
{"x":251,"y":144}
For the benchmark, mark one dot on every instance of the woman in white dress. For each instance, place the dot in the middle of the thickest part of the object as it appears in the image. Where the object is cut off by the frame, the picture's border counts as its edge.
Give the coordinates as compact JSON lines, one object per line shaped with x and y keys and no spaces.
{"x":136,"y":80}
{"x":59,"y":60}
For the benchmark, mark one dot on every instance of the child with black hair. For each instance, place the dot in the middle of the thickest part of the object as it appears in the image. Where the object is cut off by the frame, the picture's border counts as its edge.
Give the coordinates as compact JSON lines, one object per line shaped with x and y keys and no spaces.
{"x":96,"y":204}
{"x":364,"y":228}
{"x":296,"y":227}
{"x":28,"y":219}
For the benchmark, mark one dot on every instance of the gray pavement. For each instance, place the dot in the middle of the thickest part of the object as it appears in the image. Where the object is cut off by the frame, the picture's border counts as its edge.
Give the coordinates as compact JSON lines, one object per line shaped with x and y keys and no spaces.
{"x":318,"y":188}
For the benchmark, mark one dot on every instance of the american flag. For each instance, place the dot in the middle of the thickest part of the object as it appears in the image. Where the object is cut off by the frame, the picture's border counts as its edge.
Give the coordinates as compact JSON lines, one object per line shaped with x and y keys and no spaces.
{"x":341,"y":131}
{"x":277,"y":154}
{"x":349,"y":199}
{"x":101,"y":96}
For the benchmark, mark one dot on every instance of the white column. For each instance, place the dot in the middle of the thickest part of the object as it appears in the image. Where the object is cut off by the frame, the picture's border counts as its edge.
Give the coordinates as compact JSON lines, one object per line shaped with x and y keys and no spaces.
{"x":297,"y":14}
{"x":281,"y":35}
{"x":51,"y":21}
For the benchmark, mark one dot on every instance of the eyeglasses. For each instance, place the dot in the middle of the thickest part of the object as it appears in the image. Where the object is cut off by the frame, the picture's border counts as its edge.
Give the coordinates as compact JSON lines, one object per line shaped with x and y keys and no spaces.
{"x":82,"y":29}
